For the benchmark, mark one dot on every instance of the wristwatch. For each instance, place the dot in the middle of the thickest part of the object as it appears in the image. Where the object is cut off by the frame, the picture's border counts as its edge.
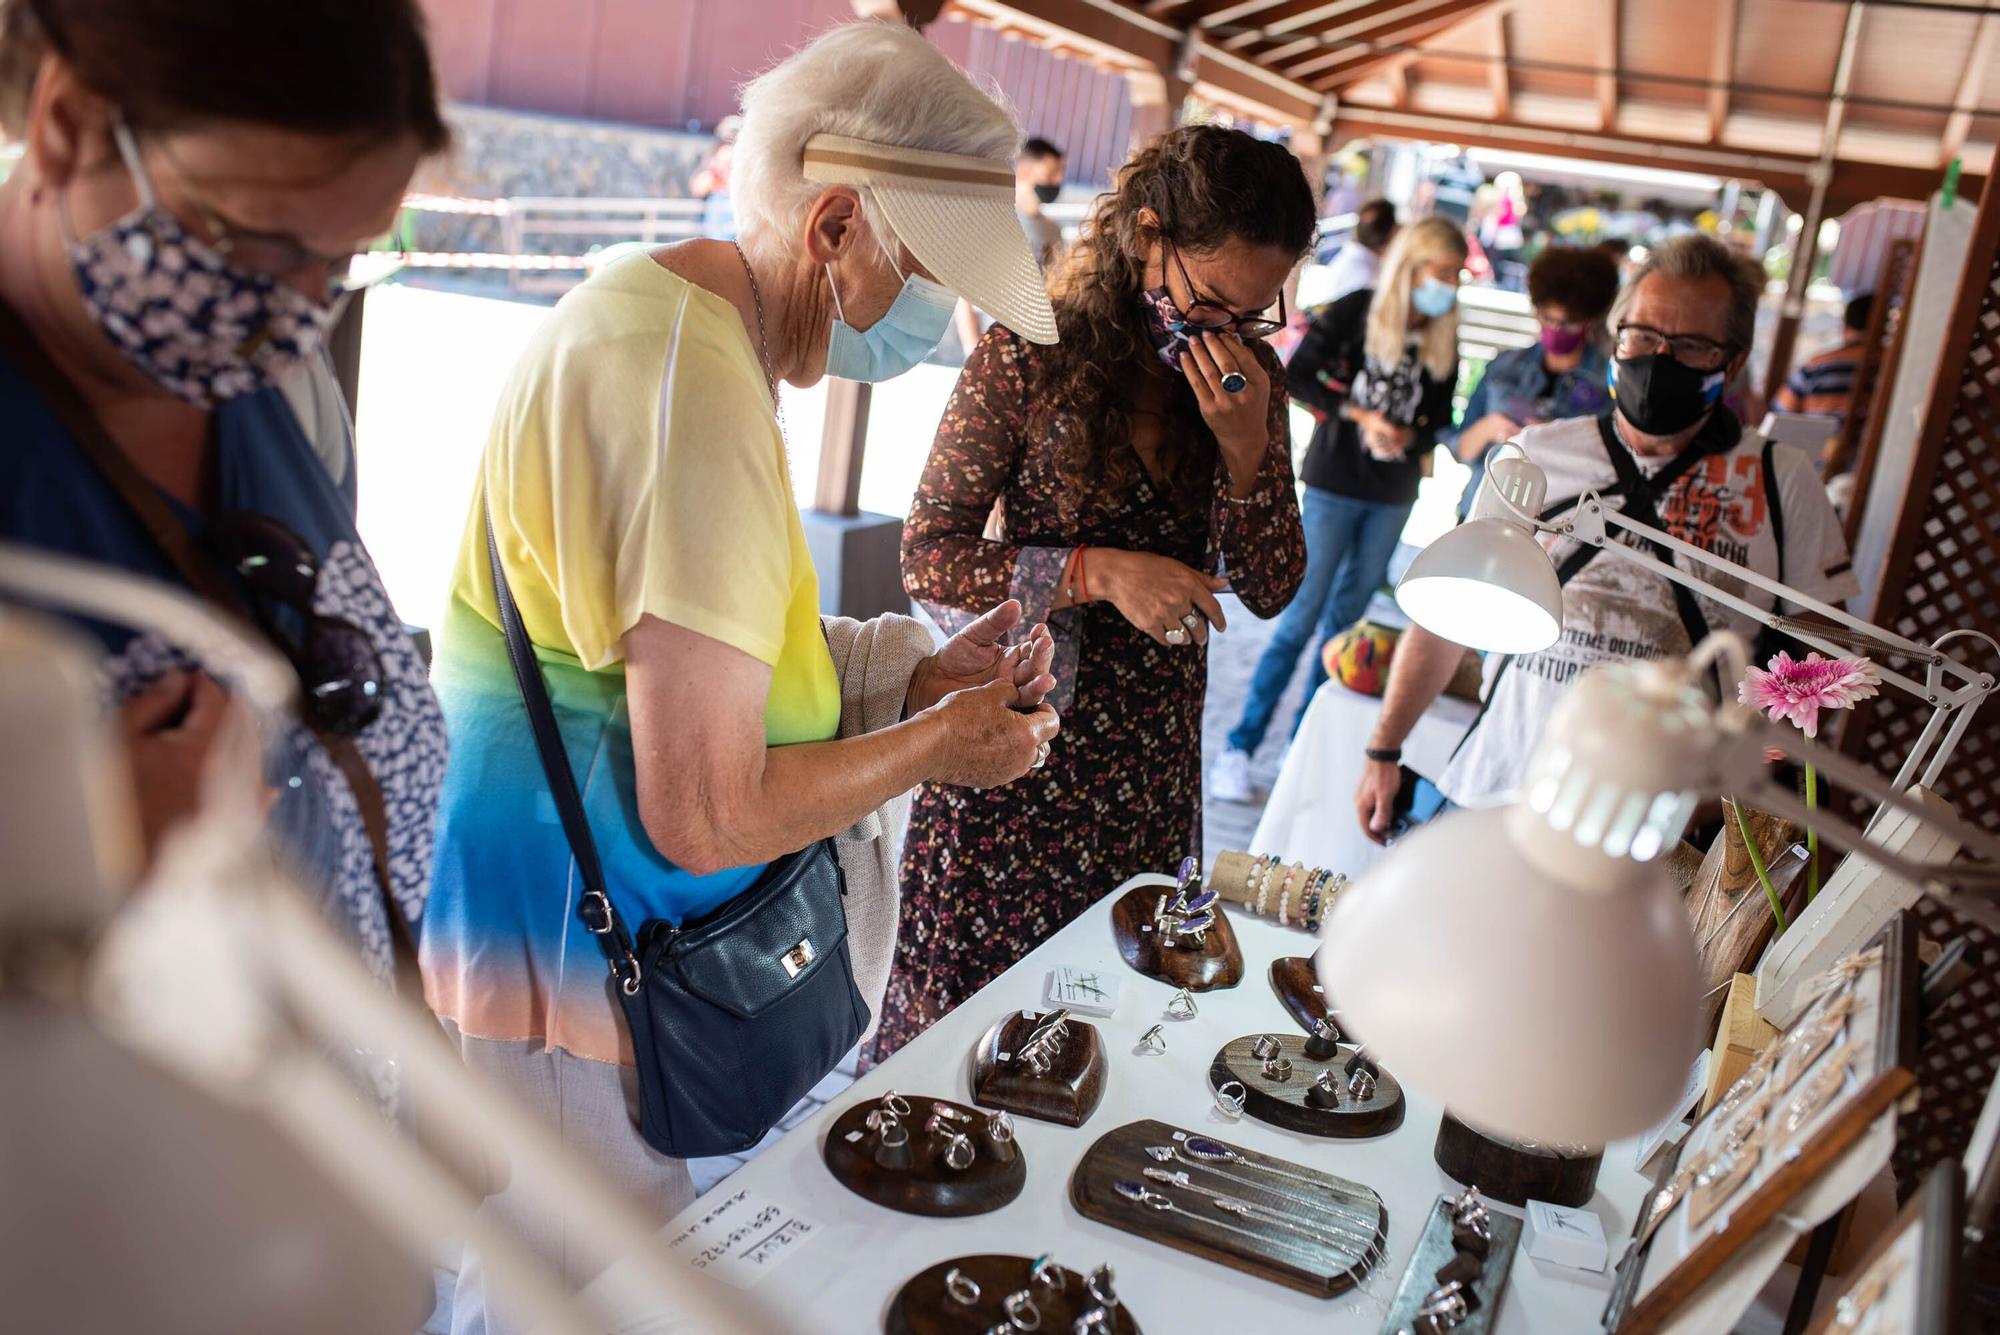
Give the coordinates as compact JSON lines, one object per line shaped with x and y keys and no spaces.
{"x":1386,"y":755}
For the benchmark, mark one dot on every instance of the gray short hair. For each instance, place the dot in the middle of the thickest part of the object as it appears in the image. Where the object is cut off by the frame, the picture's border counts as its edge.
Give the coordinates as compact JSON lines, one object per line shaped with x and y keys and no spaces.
{"x":1698,"y":257}
{"x":873,"y":80}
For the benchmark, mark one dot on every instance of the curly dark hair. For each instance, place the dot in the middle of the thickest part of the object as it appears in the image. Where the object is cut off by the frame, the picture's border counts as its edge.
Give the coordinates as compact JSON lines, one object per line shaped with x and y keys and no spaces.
{"x":1582,"y":281}
{"x":1208,"y":186}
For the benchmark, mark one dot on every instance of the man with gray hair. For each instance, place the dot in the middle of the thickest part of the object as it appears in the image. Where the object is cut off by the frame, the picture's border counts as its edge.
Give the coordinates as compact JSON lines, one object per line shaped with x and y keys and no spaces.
{"x":1669,"y":454}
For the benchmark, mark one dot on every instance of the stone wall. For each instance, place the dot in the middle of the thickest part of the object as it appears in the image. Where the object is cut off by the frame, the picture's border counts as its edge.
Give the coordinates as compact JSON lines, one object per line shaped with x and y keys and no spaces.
{"x":496,"y":154}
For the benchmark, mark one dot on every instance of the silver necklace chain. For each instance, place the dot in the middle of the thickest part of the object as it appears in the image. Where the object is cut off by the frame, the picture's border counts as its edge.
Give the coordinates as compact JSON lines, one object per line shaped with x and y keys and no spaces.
{"x":763,"y":339}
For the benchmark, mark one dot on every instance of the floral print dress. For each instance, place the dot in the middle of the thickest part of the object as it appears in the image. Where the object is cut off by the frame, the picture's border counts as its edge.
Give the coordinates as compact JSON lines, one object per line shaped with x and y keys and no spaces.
{"x":989,"y":875}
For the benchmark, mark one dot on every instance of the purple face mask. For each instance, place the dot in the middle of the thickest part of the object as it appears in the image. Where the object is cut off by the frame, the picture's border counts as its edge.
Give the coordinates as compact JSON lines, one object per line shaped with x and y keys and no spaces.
{"x":203,"y":330}
{"x":1560,"y":342}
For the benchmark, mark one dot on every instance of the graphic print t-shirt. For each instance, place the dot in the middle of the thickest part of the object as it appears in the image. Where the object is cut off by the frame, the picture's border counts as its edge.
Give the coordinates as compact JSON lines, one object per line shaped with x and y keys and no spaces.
{"x":1615,"y":611}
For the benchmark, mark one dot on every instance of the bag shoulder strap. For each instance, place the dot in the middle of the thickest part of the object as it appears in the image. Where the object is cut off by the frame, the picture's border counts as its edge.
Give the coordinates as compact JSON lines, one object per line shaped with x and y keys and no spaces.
{"x":1775,"y":505}
{"x":594,"y":906}
{"x":171,"y":536}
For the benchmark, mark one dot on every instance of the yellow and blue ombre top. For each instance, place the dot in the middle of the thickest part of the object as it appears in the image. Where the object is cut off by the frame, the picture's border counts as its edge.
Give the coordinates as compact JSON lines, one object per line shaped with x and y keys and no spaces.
{"x":634,"y":468}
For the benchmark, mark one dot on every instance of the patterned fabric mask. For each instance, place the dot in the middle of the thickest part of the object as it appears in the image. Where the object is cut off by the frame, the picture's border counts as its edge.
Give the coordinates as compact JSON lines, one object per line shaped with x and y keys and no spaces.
{"x":1165,"y":325}
{"x":203,"y":330}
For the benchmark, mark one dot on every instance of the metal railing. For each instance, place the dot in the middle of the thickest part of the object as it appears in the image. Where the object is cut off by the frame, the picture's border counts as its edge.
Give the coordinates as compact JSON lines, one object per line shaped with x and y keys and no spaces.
{"x":598,"y":222}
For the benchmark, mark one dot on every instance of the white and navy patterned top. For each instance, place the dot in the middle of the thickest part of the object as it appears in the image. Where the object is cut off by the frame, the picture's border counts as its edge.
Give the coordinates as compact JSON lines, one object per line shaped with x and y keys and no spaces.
{"x":52,"y":497}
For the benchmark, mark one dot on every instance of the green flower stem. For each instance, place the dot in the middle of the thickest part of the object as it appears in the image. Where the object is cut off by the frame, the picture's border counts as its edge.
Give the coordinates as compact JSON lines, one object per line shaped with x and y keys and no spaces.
{"x":1757,"y":861}
{"x":1812,"y":836}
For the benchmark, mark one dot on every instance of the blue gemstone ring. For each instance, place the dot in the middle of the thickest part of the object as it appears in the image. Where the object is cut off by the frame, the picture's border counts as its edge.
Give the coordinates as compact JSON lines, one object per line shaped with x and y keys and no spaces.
{"x":1234,"y":382}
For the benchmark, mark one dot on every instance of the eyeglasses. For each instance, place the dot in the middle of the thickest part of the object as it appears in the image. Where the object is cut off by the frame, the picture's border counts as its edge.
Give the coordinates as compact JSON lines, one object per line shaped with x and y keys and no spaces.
{"x":1211,"y":317}
{"x":270,"y":255}
{"x":338,"y":667}
{"x":1690,"y":350}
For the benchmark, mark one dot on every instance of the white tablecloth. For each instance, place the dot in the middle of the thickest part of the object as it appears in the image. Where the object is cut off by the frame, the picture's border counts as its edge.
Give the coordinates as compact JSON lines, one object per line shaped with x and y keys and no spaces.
{"x":1310,"y":817}
{"x":842,"y":1279}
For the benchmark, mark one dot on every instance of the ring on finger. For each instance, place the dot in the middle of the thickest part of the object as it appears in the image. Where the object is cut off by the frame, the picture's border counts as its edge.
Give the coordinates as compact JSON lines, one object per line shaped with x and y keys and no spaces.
{"x":1041,"y":756}
{"x":1177,"y":635}
{"x":1191,"y":619}
{"x":1235,"y":382}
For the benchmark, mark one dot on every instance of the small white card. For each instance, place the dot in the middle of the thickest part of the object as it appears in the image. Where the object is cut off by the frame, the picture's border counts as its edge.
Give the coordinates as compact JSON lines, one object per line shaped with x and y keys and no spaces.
{"x":1574,"y":1238}
{"x":743,"y":1237}
{"x":1670,"y":1130}
{"x":1086,"y":990}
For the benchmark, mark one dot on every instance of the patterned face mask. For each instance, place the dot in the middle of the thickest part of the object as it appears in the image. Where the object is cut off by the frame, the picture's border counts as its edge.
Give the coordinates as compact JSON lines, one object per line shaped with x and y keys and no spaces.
{"x":203,"y":330}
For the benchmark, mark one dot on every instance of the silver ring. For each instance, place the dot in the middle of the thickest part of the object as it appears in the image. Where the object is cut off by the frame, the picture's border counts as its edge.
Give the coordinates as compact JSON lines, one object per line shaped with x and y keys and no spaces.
{"x":1100,"y":1288}
{"x":1231,"y":1104}
{"x":1446,"y":1305}
{"x":958,"y":1153}
{"x":894,"y":1134}
{"x":1190,"y":619}
{"x":1177,"y":636}
{"x":1047,"y":1273}
{"x":1266,"y":1047}
{"x":963,"y":1288}
{"x":1277,"y":1068}
{"x":1021,"y":1310}
{"x":1041,"y":756}
{"x":1181,"y":1006}
{"x":1153,"y":1040}
{"x":1000,"y":1128}
{"x":1361,"y":1085}
{"x":895,"y":1104}
{"x":880,"y":1120}
{"x":1234,"y":382}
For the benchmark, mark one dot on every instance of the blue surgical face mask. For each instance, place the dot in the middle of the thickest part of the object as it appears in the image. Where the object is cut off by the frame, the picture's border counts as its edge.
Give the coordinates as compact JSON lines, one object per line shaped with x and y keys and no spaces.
{"x":1434,"y":298}
{"x":913,"y":325}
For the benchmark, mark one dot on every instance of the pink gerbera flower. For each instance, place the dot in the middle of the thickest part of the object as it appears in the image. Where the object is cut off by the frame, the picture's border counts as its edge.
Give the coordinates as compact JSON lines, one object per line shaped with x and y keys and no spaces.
{"x":1795,"y":690}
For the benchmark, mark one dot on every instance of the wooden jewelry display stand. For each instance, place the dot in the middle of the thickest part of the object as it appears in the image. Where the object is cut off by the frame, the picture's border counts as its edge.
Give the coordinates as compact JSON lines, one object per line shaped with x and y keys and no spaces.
{"x":1216,"y":962}
{"x":1434,"y":1251}
{"x":1067,"y":1093}
{"x":1516,"y":1172}
{"x":1289,"y":1102}
{"x":1297,"y":984}
{"x":925,"y":1306}
{"x":927,"y":1186}
{"x":1324,"y":1260}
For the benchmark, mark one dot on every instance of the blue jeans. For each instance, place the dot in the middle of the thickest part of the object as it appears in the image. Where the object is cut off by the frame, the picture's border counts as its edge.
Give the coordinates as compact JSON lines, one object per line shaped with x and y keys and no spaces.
{"x":1348,"y":546}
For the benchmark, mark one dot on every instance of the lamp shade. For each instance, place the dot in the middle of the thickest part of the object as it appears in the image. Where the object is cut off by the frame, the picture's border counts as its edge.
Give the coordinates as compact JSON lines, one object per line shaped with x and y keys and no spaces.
{"x":1488,"y":585}
{"x":1528,"y":1006}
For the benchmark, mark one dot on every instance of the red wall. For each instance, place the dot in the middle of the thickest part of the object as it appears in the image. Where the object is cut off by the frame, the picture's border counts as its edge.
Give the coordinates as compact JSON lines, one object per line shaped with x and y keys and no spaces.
{"x":672,"y":62}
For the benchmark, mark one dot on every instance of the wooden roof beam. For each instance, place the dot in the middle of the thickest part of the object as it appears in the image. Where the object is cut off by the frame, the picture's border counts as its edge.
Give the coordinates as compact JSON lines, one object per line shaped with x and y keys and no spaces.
{"x":1607,"y":65}
{"x":1381,"y":24}
{"x":1343,"y":69}
{"x":1721,"y":68}
{"x":1959,"y":123}
{"x":1496,"y":73}
{"x":1275,"y":24}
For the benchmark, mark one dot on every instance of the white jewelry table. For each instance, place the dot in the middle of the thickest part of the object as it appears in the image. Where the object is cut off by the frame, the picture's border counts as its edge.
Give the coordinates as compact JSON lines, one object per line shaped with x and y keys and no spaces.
{"x":840,"y":1282}
{"x":1310,"y":815}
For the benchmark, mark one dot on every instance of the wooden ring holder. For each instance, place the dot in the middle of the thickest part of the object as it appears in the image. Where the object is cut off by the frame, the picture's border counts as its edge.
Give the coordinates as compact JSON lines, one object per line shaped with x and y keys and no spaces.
{"x":1434,"y":1249}
{"x":926,"y":1187}
{"x":1283,"y":1102}
{"x":1067,"y":1094}
{"x":924,"y":1307}
{"x":1297,"y":984}
{"x":1217,"y":962}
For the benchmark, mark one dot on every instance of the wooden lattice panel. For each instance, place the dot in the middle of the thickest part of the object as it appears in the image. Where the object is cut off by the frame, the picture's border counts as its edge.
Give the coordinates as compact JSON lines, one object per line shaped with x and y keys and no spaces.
{"x":1943,"y":573}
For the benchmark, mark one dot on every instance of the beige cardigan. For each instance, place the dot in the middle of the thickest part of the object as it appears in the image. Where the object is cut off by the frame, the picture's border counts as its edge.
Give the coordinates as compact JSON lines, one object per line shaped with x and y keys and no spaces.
{"x":875,"y":659}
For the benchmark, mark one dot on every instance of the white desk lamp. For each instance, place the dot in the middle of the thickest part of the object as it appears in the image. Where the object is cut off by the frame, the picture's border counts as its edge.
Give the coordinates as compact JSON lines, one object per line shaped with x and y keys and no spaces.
{"x":210,"y":998}
{"x":1530,"y":966}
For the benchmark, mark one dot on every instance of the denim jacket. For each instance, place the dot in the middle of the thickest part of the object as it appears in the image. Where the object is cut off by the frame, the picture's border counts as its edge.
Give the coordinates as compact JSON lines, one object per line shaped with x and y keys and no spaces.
{"x":1513,"y":384}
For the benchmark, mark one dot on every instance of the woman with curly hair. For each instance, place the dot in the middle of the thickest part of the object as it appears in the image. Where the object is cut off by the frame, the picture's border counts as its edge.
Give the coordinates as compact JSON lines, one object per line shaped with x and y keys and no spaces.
{"x":1130,"y":472}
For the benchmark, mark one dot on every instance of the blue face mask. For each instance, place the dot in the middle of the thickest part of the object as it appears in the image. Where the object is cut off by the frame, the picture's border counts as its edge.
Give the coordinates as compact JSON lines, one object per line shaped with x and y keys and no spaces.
{"x":913,"y":325}
{"x":1433,"y":298}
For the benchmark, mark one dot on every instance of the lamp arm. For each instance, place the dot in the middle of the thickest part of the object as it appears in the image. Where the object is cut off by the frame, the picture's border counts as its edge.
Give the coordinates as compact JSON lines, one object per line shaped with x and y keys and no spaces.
{"x":1971,"y":886}
{"x":1591,"y":521}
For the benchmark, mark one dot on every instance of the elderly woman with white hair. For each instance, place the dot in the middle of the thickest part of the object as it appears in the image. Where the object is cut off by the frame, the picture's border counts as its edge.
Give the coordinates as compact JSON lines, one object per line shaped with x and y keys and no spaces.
{"x":636,"y":498}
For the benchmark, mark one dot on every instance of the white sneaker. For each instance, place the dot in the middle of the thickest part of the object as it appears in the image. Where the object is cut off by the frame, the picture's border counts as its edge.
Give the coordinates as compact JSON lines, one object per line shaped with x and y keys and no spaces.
{"x":1229,"y":781}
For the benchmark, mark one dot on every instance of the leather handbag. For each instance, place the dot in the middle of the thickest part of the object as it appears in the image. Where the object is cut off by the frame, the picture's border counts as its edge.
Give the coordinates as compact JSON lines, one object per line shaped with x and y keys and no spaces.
{"x":735,"y":1014}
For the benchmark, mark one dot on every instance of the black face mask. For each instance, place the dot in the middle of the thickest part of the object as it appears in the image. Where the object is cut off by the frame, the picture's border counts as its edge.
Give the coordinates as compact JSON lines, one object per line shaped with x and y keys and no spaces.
{"x":1047,"y":193}
{"x":1659,"y":395}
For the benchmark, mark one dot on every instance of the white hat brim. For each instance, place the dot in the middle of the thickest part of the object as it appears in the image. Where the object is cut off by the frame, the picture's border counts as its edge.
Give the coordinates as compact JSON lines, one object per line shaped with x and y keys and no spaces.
{"x":974,"y":245}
